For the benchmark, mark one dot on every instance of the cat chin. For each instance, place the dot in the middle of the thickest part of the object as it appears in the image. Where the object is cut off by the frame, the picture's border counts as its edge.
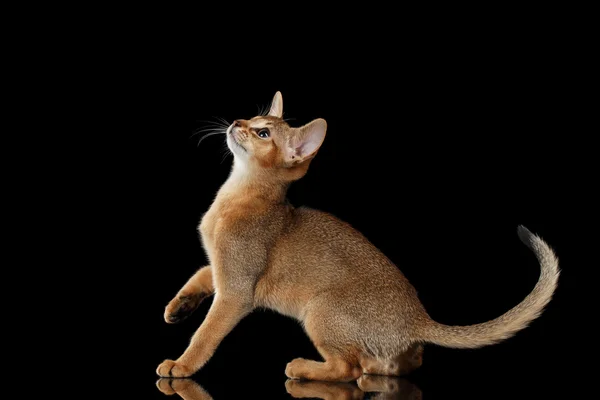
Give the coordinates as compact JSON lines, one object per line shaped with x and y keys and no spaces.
{"x":236,"y":148}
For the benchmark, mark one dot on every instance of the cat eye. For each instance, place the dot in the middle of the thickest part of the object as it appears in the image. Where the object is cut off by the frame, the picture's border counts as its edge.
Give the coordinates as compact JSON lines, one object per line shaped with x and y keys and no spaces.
{"x":263,"y":133}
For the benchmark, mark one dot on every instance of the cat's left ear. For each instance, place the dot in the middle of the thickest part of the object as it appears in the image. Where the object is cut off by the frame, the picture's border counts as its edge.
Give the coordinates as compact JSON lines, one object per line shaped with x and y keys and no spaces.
{"x":276,"y":106}
{"x":307,"y":141}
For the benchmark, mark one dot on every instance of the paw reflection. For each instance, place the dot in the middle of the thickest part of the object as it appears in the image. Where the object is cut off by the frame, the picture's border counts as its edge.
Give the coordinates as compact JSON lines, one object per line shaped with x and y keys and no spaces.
{"x":323,"y":390}
{"x":187,"y":389}
{"x":389,"y":387}
{"x":367,"y":387}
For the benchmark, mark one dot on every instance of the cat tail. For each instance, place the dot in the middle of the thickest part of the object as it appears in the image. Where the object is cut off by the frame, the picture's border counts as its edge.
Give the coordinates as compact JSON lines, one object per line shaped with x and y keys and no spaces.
{"x":519,"y":317}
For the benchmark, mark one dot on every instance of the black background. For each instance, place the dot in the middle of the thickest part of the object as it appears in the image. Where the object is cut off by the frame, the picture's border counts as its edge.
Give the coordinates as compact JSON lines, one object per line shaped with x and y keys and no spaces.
{"x":436,"y":160}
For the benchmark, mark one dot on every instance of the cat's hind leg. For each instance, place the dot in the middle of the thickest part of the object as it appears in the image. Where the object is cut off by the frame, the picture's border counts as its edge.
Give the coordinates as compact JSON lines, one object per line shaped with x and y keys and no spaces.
{"x":336,"y":367}
{"x":197,"y":288}
{"x":398,"y":366}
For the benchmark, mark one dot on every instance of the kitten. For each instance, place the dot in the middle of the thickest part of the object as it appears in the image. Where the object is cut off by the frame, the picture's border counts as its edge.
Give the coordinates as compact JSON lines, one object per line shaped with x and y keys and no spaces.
{"x":358,"y":309}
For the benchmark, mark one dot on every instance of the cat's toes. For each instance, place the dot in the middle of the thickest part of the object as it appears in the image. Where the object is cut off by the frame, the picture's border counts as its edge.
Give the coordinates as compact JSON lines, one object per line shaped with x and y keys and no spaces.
{"x":182,"y":306}
{"x":292,"y":368}
{"x":173,"y":369}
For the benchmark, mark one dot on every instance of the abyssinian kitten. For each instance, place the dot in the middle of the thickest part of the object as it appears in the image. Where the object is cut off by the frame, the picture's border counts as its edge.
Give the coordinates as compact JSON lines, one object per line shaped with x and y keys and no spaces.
{"x":356,"y":306}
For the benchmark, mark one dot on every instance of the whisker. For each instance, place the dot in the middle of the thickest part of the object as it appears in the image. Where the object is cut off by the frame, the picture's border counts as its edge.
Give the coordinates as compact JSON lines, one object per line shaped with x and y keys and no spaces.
{"x":208,"y":128}
{"x":211,"y":128}
{"x":209,"y":134}
{"x":214,"y":125}
{"x":226,"y":153}
{"x":224,"y":121}
{"x":218,"y":122}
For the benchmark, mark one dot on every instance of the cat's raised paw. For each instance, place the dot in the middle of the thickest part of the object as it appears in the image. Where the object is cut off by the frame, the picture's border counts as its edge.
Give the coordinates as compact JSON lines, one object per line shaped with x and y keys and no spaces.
{"x":173,"y":369}
{"x":182,"y":306}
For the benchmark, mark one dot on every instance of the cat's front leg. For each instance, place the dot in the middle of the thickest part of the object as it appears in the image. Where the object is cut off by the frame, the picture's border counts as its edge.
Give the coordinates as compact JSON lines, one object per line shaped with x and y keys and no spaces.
{"x":225,"y":312}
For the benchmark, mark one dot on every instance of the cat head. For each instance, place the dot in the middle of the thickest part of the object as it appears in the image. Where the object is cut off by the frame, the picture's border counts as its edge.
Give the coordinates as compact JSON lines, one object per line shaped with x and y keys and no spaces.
{"x":267,"y":144}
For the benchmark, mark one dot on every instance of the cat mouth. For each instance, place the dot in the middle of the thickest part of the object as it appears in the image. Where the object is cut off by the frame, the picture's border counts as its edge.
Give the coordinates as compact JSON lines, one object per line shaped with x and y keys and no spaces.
{"x":234,"y":139}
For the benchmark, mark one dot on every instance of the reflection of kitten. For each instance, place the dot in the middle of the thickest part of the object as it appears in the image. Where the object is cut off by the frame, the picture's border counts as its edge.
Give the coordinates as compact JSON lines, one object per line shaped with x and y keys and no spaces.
{"x":372,"y":387}
{"x":375,"y":387}
{"x":358,"y":309}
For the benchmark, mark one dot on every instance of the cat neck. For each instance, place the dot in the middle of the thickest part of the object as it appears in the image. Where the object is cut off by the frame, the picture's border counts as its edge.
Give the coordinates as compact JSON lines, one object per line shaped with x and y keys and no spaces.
{"x":252,"y":184}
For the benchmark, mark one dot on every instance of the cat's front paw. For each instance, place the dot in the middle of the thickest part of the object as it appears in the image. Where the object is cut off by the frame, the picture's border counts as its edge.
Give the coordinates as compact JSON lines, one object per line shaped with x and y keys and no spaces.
{"x":173,"y":369}
{"x":292,"y":368}
{"x":182,"y":306}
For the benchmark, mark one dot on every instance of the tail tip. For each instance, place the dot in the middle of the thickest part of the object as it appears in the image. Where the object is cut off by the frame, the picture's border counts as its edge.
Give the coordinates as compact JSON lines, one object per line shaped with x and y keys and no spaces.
{"x":525,"y":234}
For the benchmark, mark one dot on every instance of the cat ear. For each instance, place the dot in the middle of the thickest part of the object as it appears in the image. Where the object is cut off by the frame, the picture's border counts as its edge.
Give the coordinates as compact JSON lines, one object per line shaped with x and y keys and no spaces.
{"x":307,"y":141}
{"x":277,"y":106}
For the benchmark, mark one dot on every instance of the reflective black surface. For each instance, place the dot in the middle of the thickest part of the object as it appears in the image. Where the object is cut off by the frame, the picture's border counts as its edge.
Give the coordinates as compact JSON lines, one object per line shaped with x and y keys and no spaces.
{"x":371,"y":387}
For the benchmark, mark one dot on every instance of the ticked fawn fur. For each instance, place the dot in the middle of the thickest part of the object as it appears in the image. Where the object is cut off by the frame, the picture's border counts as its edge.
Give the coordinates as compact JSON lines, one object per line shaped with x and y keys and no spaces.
{"x":356,"y":306}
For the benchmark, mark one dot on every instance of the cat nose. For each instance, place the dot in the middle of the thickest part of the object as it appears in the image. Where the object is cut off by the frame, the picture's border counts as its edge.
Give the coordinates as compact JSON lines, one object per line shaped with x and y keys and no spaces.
{"x":237,"y":122}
